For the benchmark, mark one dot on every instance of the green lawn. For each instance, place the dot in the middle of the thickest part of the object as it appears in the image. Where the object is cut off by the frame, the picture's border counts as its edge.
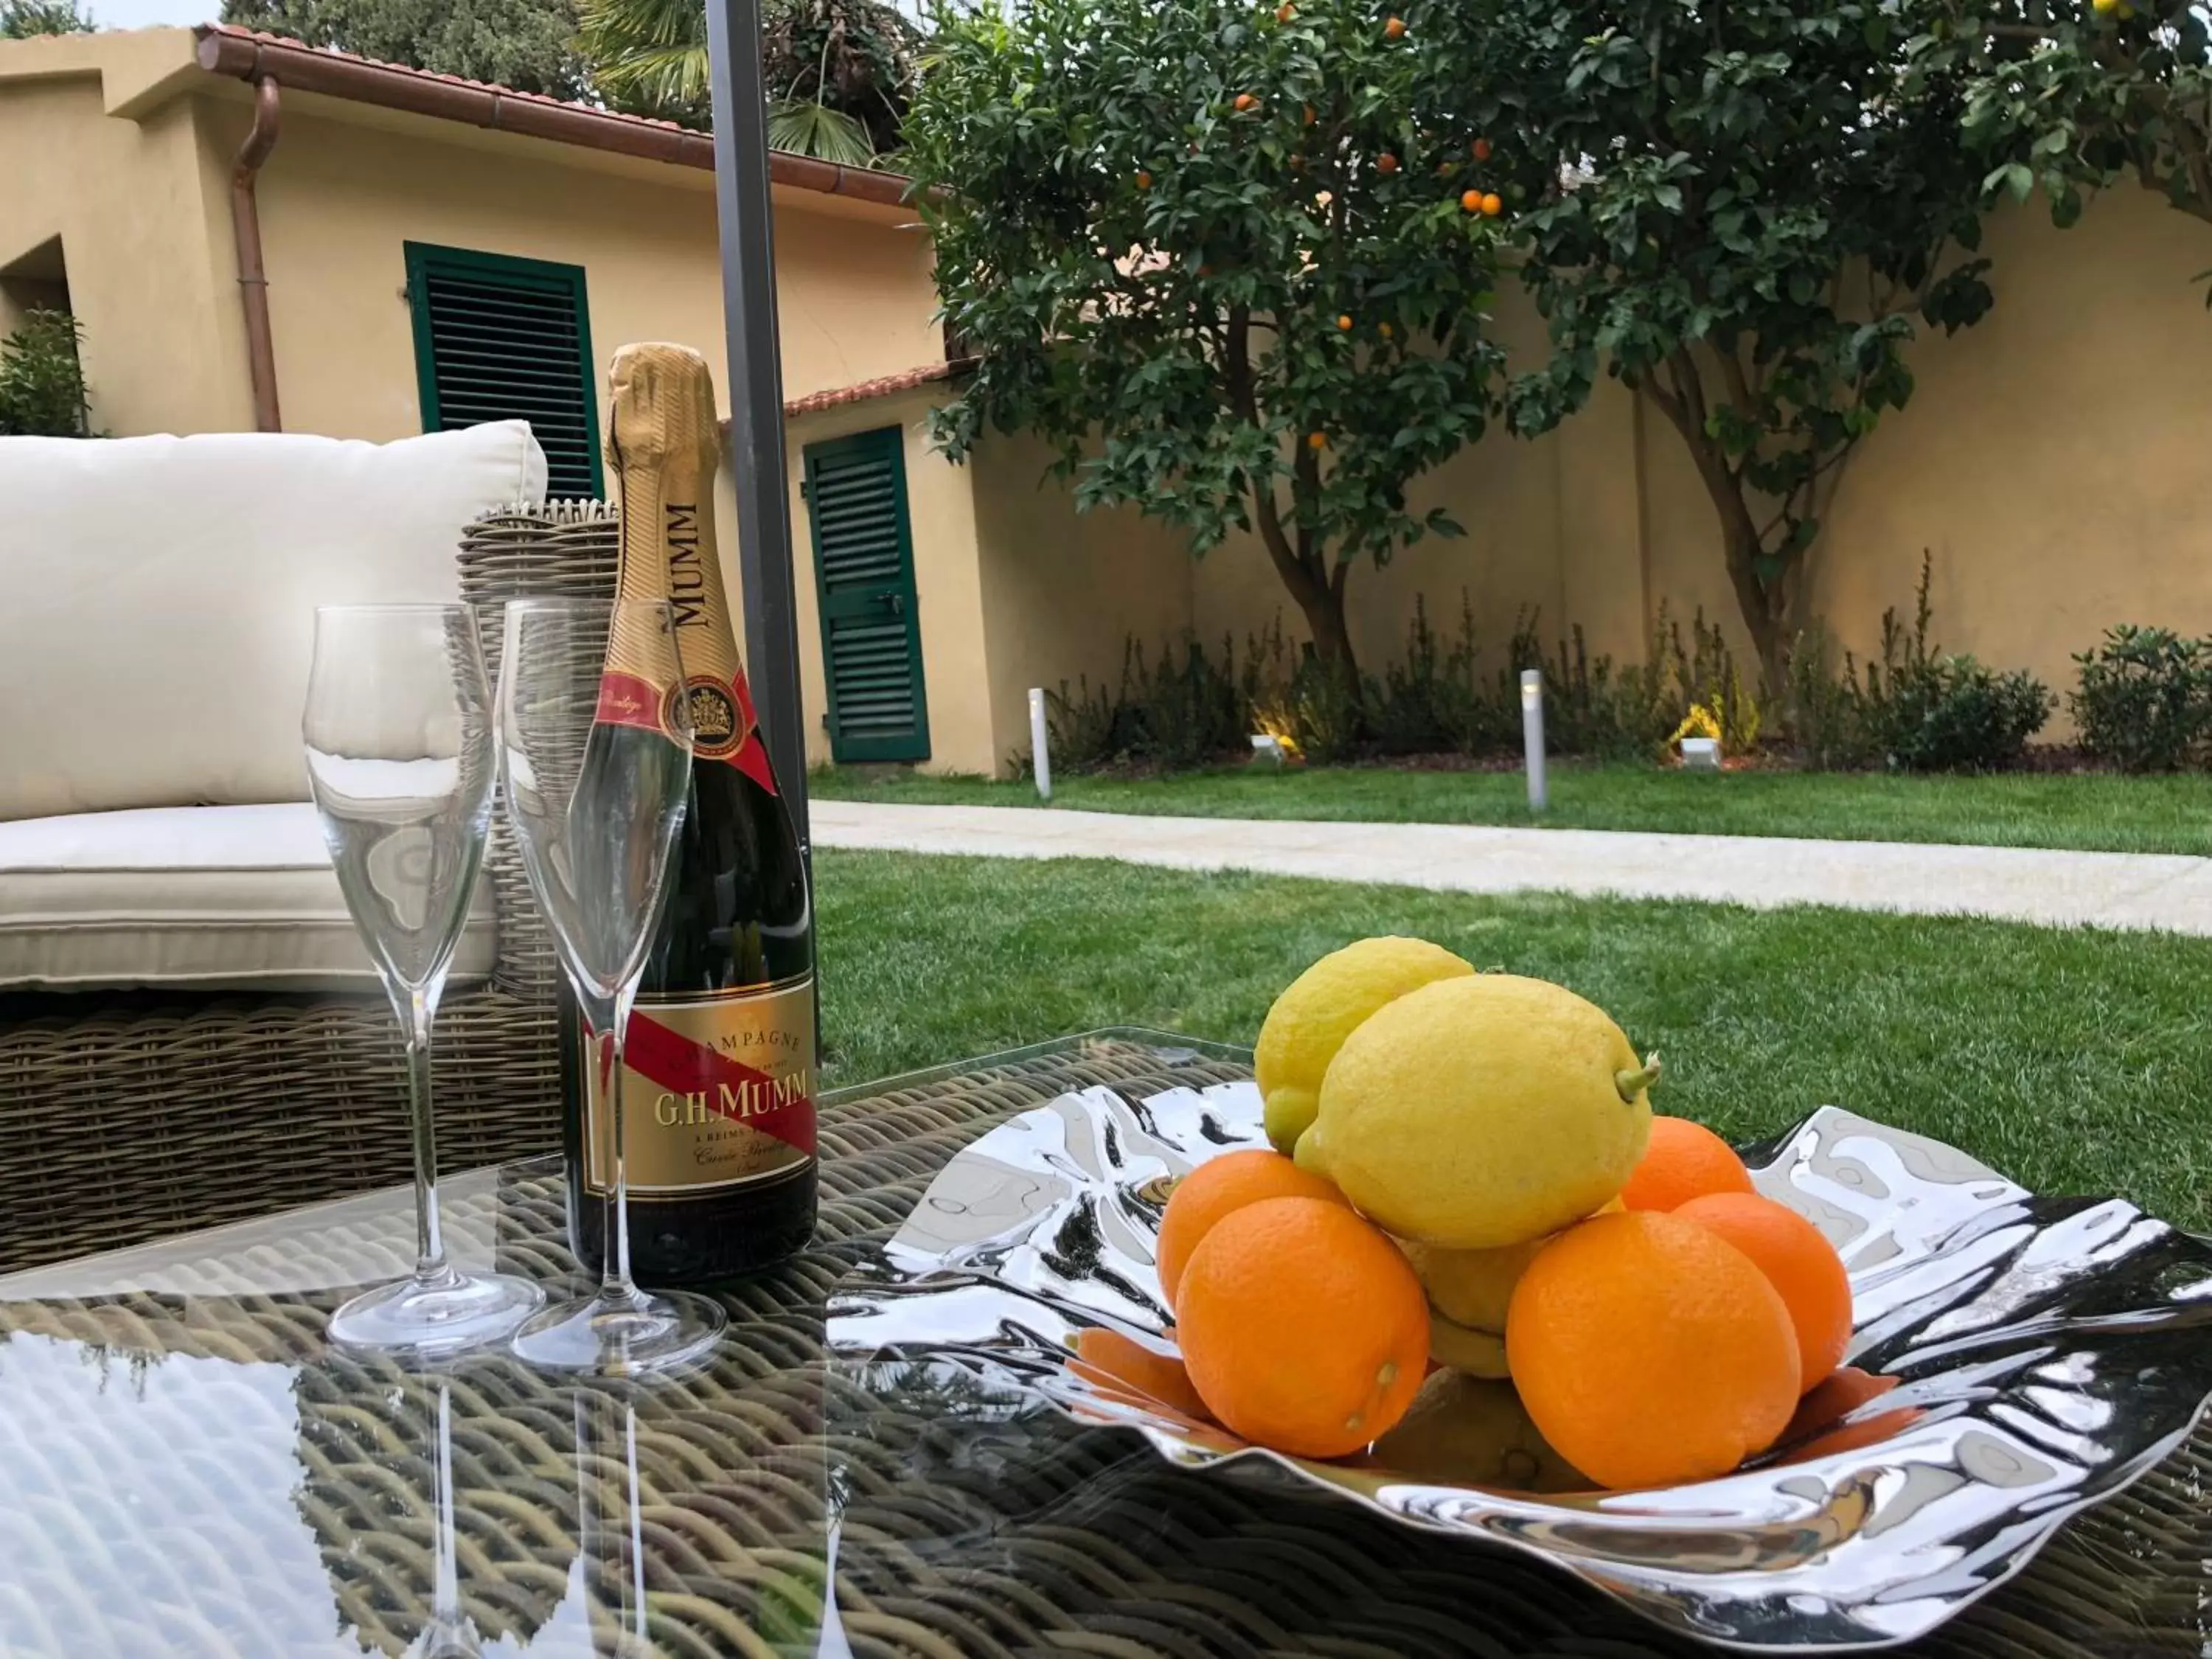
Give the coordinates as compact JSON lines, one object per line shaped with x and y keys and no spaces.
{"x":2072,"y":1061}
{"x":2100,"y":812}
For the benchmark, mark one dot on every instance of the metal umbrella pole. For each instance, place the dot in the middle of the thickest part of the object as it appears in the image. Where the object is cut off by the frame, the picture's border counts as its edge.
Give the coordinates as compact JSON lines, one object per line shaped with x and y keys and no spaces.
{"x":745,"y":217}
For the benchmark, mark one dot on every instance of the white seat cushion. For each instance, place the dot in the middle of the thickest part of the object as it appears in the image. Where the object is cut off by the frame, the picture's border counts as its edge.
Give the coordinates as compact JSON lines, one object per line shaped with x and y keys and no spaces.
{"x":159,"y":616}
{"x":200,"y":897}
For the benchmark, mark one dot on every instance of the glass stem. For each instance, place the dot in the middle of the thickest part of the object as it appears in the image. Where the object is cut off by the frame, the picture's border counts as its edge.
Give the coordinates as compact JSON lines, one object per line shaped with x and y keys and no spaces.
{"x":430,"y":1241}
{"x":615,"y":1284}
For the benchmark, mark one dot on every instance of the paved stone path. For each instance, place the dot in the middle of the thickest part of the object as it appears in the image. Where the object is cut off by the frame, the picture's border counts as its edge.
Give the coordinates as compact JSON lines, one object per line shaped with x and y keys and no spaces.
{"x":2158,"y":891}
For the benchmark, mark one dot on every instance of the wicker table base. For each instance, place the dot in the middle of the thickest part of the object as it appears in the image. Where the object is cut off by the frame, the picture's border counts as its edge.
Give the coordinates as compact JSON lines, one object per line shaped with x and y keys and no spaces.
{"x":185,"y":1469}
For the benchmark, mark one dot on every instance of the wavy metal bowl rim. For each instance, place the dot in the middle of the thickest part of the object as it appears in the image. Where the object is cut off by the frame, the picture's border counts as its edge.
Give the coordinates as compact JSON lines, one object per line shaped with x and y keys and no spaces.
{"x":1761,"y":1157}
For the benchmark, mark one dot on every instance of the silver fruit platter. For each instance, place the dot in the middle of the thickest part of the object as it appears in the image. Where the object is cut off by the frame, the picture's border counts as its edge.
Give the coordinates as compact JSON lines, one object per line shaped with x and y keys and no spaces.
{"x":2046,"y":1352}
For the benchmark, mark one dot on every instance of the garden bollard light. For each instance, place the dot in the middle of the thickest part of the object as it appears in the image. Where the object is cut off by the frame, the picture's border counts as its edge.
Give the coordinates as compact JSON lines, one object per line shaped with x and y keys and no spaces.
{"x":1040,"y":754}
{"x":1532,"y":733}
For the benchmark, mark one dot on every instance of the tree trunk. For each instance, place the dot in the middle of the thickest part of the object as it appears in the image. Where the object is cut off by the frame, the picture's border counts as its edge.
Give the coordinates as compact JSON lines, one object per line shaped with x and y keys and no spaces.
{"x":1322,"y":605}
{"x":1766,"y":606}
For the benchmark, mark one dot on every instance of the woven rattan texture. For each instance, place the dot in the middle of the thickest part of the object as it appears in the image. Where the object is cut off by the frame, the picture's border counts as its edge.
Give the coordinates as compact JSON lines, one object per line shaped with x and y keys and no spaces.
{"x":954,"y":1538}
{"x":129,"y":1116}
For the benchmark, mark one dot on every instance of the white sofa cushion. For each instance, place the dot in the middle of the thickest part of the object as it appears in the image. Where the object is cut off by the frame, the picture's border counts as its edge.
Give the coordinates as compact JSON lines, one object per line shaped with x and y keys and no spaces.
{"x":199,"y":897}
{"x":159,"y":615}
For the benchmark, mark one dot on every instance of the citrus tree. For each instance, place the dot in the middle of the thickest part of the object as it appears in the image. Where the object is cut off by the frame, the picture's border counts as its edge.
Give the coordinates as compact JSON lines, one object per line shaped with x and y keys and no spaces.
{"x":1748,"y":210}
{"x":2077,"y":94}
{"x":1228,"y":261}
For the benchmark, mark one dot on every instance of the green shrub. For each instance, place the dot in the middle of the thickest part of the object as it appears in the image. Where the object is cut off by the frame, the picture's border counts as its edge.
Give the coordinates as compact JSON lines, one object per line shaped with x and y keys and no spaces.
{"x":1079,"y":725}
{"x":1438,"y":699}
{"x":42,"y":390}
{"x":1917,"y":709}
{"x":1184,"y":712}
{"x":1931,"y":712}
{"x":1828,"y":719}
{"x":2144,"y":701}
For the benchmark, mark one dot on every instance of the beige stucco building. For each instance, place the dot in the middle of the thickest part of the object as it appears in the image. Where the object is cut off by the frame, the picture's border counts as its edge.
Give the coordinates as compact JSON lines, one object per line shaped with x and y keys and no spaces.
{"x":428,"y":244}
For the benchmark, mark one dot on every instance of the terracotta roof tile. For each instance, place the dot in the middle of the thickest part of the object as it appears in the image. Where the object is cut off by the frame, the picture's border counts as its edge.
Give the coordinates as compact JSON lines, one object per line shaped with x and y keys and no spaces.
{"x":250,"y":54}
{"x":882,"y":386}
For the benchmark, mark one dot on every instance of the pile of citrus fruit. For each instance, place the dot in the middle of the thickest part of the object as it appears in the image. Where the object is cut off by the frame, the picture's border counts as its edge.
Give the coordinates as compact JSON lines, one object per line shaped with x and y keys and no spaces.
{"x":1475,"y":1249}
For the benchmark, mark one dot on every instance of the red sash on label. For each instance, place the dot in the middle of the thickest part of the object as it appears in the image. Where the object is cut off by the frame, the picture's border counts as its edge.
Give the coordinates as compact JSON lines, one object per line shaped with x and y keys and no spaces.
{"x":626,"y":700}
{"x":751,"y":757}
{"x":684,"y":1067}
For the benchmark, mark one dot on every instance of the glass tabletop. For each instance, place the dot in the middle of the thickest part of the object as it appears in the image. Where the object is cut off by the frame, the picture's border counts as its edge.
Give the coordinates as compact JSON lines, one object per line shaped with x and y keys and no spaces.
{"x":185,"y":1469}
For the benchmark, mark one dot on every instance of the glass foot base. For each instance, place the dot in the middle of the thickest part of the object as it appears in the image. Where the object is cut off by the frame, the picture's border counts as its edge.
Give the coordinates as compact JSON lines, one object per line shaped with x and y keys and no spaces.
{"x":614,"y":1336}
{"x":438,"y":1317}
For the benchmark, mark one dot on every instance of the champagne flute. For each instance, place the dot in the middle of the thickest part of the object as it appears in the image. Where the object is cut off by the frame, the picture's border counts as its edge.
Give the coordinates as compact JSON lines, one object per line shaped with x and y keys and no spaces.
{"x":599,"y":768}
{"x":400,"y":759}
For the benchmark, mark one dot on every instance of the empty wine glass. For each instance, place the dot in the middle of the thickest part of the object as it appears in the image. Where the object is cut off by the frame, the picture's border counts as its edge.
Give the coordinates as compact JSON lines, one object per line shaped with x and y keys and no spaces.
{"x":400,"y":759}
{"x":597,"y":764}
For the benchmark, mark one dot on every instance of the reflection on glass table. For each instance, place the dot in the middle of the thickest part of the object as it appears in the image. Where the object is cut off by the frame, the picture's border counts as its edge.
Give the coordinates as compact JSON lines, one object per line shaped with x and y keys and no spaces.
{"x":187,"y":1469}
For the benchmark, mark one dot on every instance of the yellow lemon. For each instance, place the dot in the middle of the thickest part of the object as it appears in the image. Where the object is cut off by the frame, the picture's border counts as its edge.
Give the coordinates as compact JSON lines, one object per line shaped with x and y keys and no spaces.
{"x":1469,"y":1432}
{"x":1468,"y":1293}
{"x":1311,"y":1019}
{"x":1481,"y":1111}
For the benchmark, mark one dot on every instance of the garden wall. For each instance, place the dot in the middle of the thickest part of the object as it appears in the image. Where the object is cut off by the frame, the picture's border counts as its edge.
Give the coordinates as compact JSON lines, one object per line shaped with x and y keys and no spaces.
{"x":2053,"y":460}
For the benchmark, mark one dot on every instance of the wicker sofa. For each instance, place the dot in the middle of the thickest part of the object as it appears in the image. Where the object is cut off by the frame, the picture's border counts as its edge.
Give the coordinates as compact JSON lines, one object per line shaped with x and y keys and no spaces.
{"x":173,"y":1069}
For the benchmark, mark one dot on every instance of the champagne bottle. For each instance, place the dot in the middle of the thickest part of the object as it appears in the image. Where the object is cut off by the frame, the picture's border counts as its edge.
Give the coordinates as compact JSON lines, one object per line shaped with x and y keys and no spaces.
{"x":720,"y":1061}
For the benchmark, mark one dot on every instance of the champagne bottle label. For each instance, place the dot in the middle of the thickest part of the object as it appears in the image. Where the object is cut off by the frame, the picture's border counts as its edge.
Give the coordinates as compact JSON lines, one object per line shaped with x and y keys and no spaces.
{"x":718,"y":1090}
{"x":666,"y":442}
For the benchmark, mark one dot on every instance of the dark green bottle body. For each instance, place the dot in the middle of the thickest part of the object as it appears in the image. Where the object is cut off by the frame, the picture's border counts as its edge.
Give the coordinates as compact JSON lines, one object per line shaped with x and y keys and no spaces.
{"x":738,"y":919}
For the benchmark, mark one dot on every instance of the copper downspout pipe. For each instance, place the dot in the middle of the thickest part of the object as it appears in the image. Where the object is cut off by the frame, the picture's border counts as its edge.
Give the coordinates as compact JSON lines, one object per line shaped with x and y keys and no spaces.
{"x":225,"y":50}
{"x":252,"y":275}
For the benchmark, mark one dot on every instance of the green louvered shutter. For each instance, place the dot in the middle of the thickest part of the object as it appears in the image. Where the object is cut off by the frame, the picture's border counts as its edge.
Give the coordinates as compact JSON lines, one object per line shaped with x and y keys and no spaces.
{"x":863,"y":574}
{"x":499,"y":338}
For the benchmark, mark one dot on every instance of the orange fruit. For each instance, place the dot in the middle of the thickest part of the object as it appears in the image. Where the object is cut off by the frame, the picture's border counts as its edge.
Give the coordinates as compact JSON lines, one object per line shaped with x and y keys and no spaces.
{"x":1144,"y":179}
{"x":1386,"y":162}
{"x":1492,"y":205}
{"x":1798,"y":1261}
{"x":1215,"y":1188}
{"x":1843,"y":1389}
{"x":1306,"y":115}
{"x":1472,"y":200}
{"x":1394,"y":29}
{"x":1284,"y":14}
{"x":1123,"y":1369}
{"x":1303,"y":1327}
{"x":1317,"y":441}
{"x":1682,"y":1161}
{"x":1245,"y":100}
{"x":1344,"y":322}
{"x":1650,"y":1351}
{"x":1383,"y":331}
{"x":1481,"y":149}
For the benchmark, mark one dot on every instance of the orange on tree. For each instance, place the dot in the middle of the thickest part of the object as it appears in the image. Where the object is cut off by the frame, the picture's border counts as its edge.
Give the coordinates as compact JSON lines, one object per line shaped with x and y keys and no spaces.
{"x":1651,"y":1352}
{"x":1344,"y":322}
{"x":1394,"y":29}
{"x":1492,"y":205}
{"x":1284,"y":14}
{"x":1306,"y":115}
{"x":1303,"y":1327}
{"x":1682,"y":1161}
{"x":1245,"y":101}
{"x":1144,"y":179}
{"x":1383,"y":331}
{"x":1481,"y":149}
{"x":1217,"y":1188}
{"x":1471,"y":200}
{"x":1317,"y":441}
{"x":1386,"y":162}
{"x":1798,"y":1261}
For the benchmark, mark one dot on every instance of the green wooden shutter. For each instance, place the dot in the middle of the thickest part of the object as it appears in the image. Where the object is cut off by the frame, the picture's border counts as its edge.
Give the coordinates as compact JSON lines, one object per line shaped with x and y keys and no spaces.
{"x":864,"y":575}
{"x":499,"y":338}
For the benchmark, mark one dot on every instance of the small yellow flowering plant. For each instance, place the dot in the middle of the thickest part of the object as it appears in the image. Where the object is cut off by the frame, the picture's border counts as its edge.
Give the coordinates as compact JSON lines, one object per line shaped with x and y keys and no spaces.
{"x":1700,"y":722}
